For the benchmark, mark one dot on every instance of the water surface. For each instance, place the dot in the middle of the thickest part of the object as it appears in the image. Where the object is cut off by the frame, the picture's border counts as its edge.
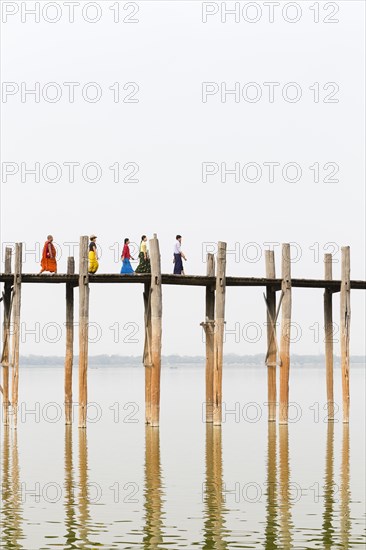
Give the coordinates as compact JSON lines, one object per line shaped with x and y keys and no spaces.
{"x":119,"y":484}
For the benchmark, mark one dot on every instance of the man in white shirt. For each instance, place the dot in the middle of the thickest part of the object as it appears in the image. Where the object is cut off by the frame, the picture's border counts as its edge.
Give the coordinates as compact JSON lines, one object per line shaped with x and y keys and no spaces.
{"x":178,"y":255}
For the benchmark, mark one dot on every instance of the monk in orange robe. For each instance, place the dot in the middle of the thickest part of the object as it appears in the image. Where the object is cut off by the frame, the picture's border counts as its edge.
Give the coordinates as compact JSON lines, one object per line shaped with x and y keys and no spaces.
{"x":48,"y":262}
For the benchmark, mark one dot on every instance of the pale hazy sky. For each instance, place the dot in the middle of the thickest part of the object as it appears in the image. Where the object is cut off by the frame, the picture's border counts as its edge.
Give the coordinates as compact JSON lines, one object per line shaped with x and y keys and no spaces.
{"x":168,"y":133}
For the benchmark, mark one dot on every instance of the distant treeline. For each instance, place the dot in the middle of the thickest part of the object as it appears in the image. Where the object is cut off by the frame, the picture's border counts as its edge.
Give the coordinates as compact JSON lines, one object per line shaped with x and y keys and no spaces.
{"x":229,"y":359}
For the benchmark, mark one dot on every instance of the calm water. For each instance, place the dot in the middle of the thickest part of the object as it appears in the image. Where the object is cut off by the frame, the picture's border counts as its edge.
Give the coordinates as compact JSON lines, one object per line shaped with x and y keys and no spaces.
{"x":120,"y":485}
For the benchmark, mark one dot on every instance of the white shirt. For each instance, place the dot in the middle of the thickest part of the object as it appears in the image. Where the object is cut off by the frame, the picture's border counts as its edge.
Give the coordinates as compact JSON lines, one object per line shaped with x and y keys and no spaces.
{"x":177,"y":247}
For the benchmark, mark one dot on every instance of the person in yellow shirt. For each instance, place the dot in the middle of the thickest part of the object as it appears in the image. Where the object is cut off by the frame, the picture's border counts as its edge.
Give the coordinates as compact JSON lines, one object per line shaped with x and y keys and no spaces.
{"x":93,"y":255}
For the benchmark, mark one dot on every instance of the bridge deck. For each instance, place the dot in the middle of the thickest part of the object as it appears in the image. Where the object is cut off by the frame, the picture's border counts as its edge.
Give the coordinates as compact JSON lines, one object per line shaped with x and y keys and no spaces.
{"x":186,"y":280}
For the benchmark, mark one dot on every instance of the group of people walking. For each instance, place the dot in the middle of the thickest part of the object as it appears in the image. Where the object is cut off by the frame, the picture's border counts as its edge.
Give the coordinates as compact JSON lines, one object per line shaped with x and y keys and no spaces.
{"x":49,"y":263}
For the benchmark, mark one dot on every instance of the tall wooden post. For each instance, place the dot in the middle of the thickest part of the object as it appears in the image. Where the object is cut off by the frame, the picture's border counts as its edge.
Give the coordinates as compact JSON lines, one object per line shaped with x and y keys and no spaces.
{"x":271,"y":337}
{"x":69,"y":341}
{"x":345,"y":320}
{"x":83,"y":329}
{"x":6,"y":336}
{"x":219,"y":332}
{"x":328,"y":335}
{"x":147,"y":360}
{"x":285,"y":334}
{"x":156,"y":329}
{"x":16,"y":328}
{"x":209,"y":327}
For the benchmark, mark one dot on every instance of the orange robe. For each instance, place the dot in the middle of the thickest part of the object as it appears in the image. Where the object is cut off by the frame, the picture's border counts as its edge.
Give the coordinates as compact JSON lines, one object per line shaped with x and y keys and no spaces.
{"x":48,"y":263}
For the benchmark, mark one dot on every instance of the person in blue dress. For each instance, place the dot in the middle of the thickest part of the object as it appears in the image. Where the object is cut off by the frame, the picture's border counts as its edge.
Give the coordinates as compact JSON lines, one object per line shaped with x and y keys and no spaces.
{"x":126,"y":257}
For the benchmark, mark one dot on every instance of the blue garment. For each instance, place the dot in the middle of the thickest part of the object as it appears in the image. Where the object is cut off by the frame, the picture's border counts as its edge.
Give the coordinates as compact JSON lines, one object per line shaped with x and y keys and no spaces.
{"x":126,"y":266}
{"x":178,"y":264}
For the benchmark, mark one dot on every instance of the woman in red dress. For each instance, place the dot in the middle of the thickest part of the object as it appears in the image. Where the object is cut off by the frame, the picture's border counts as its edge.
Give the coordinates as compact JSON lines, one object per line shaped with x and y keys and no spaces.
{"x":126,"y":256}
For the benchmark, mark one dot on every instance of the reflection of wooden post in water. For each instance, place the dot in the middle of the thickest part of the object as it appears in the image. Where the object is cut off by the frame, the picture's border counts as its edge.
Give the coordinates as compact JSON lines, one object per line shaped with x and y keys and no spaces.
{"x":271,"y":532}
{"x":285,"y":535}
{"x":84,"y":513}
{"x":6,"y":337}
{"x":327,"y":527}
{"x":70,"y":521}
{"x":213,"y":495}
{"x":153,"y":537}
{"x":345,"y":495}
{"x":11,"y":493}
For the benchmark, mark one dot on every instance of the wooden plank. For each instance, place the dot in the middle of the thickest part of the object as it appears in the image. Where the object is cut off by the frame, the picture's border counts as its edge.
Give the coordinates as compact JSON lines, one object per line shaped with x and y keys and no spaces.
{"x":83,"y":329}
{"x":69,"y":342}
{"x":6,"y":337}
{"x":345,"y":322}
{"x":328,"y":336}
{"x":271,"y":337}
{"x":156,"y":329}
{"x":219,"y":332}
{"x":187,"y":280}
{"x":17,"y":289}
{"x":209,"y":327}
{"x":285,"y":334}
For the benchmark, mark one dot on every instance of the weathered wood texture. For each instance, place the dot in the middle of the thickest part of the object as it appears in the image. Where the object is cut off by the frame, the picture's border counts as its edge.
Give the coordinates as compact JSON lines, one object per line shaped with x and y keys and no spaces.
{"x":219,"y":332}
{"x":345,"y":322}
{"x":147,"y":357}
{"x":83,"y":329}
{"x":285,"y":334}
{"x":16,"y":327}
{"x":271,"y":337}
{"x":69,"y":342}
{"x":6,"y":336}
{"x":187,"y":280}
{"x":156,"y":329}
{"x":328,"y":335}
{"x":209,"y":327}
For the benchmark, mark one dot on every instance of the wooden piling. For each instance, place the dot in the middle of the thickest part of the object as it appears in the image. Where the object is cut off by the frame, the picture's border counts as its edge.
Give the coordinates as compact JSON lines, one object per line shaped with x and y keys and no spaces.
{"x":209,"y":327}
{"x":345,"y":319}
{"x":16,"y":328}
{"x":6,"y":336}
{"x":156,"y":329}
{"x":83,"y":329}
{"x":69,"y":341}
{"x":147,"y":359}
{"x":219,"y":332}
{"x":328,"y":336}
{"x":285,"y":334}
{"x":271,"y":336}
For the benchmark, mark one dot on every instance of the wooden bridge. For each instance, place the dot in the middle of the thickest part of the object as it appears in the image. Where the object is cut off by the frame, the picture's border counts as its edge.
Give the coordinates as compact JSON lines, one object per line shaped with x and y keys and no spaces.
{"x":215,"y":283}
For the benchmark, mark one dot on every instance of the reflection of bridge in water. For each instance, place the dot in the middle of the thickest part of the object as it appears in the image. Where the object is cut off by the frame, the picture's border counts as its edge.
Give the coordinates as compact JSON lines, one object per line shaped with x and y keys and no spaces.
{"x":83,"y":530}
{"x":215,"y":282}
